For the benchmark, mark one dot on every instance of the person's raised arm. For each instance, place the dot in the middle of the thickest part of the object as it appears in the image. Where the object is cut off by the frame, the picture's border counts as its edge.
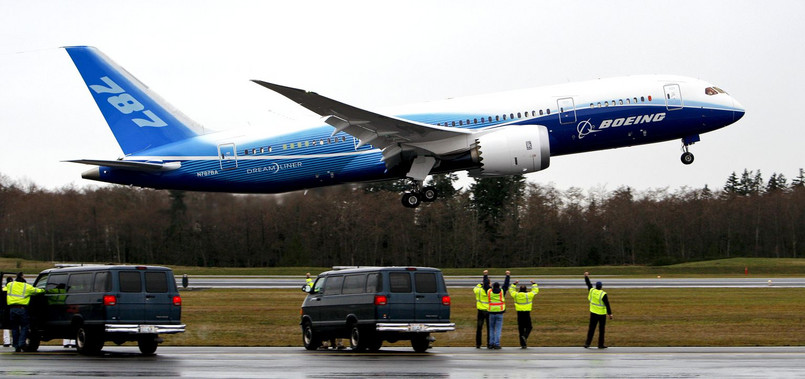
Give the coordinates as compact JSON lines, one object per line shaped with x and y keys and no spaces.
{"x":587,"y":280}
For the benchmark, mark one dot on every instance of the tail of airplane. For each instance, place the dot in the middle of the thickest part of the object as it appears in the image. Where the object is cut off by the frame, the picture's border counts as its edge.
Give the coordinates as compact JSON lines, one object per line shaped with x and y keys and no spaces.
{"x":138,"y":117}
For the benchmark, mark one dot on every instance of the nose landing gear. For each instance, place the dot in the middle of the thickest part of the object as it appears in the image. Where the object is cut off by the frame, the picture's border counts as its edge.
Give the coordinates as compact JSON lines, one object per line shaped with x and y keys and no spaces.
{"x":687,"y":156}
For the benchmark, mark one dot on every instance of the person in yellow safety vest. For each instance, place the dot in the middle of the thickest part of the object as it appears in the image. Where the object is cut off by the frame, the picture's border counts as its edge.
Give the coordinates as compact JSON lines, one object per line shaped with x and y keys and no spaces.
{"x":18,"y":295}
{"x":497,"y":305}
{"x":599,"y":309}
{"x":308,"y":280}
{"x":523,"y":300}
{"x":482,"y":305}
{"x":7,"y":332}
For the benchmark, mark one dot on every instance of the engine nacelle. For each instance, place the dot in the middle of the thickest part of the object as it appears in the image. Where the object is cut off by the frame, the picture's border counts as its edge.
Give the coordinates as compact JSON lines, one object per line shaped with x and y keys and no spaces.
{"x":512,"y":150}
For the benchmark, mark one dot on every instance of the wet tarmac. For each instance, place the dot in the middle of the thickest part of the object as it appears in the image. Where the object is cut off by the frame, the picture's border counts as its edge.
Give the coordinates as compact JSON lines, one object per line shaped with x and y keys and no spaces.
{"x":400,"y":362}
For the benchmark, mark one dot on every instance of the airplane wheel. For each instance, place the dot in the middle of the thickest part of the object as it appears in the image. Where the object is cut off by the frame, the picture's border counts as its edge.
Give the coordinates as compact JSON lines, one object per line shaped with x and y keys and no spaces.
{"x":429,"y":194}
{"x":687,"y":158}
{"x":410,"y":200}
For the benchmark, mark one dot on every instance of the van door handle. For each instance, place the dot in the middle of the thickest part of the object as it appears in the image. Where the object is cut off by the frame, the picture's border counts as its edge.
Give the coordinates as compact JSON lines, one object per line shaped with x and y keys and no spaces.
{"x":149,"y":296}
{"x":420,"y":296}
{"x":317,"y":298}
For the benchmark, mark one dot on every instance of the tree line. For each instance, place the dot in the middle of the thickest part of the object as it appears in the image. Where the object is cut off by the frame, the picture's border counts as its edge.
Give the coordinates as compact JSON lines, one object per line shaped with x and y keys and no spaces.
{"x":496,"y":222}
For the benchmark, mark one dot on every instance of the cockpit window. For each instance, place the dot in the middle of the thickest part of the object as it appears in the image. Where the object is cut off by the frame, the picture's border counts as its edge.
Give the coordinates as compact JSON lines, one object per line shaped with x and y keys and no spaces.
{"x":710,"y":91}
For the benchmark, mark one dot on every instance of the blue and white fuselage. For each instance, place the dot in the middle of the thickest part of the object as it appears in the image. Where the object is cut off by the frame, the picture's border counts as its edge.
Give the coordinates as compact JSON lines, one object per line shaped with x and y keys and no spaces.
{"x":506,"y":133}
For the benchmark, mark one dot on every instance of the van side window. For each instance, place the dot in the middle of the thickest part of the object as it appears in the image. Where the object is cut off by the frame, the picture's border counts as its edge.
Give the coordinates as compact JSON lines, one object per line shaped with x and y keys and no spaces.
{"x":333,"y":285}
{"x":156,"y":282}
{"x":373,"y":283}
{"x":130,"y":281}
{"x":79,"y":282}
{"x":354,"y":284}
{"x":57,"y":281}
{"x":400,"y":282}
{"x":102,"y":282}
{"x":425,"y":282}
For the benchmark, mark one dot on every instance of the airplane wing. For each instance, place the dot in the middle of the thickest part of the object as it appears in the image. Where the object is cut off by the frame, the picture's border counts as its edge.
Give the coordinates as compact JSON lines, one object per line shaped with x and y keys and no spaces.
{"x":368,"y":127}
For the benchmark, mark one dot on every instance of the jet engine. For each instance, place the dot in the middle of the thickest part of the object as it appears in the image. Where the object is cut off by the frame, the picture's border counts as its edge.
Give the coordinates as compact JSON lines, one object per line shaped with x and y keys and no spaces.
{"x":512,"y":150}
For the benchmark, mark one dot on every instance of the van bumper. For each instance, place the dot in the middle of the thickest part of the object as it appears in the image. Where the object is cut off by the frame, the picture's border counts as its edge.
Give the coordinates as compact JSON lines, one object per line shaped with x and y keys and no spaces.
{"x":416,"y":327}
{"x":144,"y":329}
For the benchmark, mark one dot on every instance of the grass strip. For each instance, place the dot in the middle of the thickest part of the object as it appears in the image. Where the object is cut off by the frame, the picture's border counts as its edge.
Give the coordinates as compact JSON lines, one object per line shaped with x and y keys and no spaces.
{"x":643,"y":317}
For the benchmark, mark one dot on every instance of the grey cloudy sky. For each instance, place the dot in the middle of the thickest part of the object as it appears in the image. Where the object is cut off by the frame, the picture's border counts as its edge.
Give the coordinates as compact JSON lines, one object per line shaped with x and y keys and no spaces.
{"x":200,"y":55}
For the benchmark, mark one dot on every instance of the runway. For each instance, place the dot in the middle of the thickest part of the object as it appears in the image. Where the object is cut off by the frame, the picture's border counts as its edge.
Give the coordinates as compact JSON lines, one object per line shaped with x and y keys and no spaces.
{"x":400,"y":362}
{"x":544,"y":282}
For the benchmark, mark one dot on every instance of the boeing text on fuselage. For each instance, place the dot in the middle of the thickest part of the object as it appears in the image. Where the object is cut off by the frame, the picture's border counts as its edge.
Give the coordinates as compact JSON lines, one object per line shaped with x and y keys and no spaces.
{"x":585,"y":127}
{"x":499,"y":134}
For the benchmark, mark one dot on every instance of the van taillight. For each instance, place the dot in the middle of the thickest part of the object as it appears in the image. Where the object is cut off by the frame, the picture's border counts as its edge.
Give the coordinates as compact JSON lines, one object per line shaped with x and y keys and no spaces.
{"x":445,"y":300}
{"x":177,"y":301}
{"x":109,"y":300}
{"x":381,"y":300}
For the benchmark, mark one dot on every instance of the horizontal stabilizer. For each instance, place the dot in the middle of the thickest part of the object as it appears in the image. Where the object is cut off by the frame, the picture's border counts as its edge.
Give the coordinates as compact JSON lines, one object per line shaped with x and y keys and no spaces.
{"x":131,"y":165}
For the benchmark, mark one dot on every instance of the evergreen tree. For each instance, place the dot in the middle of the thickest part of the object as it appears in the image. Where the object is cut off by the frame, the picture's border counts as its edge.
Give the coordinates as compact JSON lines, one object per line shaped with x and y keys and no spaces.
{"x":443,"y":184}
{"x":732,"y":185}
{"x":799,"y":181}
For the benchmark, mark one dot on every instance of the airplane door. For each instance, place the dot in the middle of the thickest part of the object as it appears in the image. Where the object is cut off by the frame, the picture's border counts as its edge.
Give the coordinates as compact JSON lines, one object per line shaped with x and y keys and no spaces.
{"x":673,"y":96}
{"x":228,"y":156}
{"x":567,"y":110}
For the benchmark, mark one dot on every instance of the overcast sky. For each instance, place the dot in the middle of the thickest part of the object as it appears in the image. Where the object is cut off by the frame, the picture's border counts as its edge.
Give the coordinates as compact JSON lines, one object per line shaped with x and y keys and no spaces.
{"x":200,"y":56}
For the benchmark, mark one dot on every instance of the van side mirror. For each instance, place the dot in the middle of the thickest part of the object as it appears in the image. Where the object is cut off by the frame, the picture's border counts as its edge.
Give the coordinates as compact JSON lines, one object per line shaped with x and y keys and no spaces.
{"x":307,"y":288}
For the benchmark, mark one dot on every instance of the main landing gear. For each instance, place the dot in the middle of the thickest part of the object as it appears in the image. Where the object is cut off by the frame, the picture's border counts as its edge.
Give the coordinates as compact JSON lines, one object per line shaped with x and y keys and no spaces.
{"x":416,"y":196}
{"x":687,"y":156}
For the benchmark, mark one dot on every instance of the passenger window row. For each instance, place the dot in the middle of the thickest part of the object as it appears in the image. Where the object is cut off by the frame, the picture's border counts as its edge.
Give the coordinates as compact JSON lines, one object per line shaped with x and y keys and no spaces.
{"x":504,"y":117}
{"x":628,"y":101}
{"x":296,"y":145}
{"x":86,"y":282}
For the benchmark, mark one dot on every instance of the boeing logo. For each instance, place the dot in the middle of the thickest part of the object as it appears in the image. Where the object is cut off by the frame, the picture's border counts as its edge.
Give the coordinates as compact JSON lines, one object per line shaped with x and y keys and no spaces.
{"x":586,"y":128}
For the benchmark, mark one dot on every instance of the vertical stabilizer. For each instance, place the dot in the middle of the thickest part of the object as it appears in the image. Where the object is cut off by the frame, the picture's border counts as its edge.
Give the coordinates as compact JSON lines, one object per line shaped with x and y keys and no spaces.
{"x":139,"y":118}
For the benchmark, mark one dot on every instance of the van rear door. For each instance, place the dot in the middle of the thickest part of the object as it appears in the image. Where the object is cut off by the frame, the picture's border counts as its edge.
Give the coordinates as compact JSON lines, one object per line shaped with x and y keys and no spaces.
{"x":429,"y":289}
{"x":401,"y":297}
{"x":130,"y":298}
{"x":160,"y":287}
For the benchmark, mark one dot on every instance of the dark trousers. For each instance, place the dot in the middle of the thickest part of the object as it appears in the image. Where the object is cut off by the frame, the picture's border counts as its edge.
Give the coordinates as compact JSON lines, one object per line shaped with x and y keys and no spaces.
{"x":596,"y":319}
{"x":483,"y":317}
{"x":18,"y":318}
{"x":523,"y":326}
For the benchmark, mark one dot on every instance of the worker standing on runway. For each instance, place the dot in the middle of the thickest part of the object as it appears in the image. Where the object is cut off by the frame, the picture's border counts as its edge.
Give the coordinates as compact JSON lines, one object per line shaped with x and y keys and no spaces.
{"x":482,"y":305}
{"x":599,"y":309}
{"x":7,"y":332}
{"x":497,"y":306}
{"x":522,"y":303}
{"x":308,"y":280}
{"x":18,"y":296}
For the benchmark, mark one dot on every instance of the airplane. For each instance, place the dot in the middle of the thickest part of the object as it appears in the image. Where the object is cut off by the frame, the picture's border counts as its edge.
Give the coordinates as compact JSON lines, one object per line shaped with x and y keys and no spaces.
{"x":508,"y":133}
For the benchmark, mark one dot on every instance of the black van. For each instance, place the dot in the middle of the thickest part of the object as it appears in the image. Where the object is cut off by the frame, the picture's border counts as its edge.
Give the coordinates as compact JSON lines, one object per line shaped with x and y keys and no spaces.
{"x":375,"y":304}
{"x":96,"y":303}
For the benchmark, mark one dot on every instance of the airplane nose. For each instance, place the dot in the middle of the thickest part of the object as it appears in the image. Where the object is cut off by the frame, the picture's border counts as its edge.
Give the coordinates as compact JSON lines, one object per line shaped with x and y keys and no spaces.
{"x":737,"y":110}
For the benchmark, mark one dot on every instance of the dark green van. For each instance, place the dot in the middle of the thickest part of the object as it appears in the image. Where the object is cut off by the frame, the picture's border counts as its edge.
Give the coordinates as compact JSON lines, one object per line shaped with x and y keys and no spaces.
{"x":375,"y":304}
{"x":98,"y":303}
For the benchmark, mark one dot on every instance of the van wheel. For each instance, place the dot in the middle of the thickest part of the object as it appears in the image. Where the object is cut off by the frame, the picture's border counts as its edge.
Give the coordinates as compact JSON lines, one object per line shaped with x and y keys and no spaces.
{"x":375,"y":344}
{"x":88,"y":341}
{"x":358,"y":338}
{"x":309,"y":338}
{"x":32,"y":342}
{"x":147,"y":344}
{"x":420,"y":342}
